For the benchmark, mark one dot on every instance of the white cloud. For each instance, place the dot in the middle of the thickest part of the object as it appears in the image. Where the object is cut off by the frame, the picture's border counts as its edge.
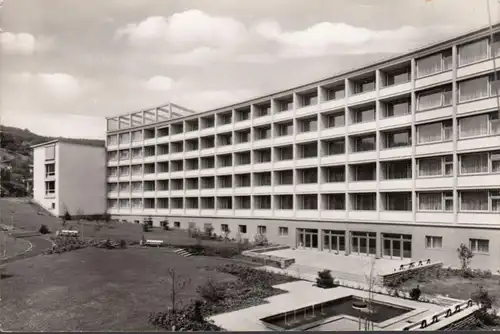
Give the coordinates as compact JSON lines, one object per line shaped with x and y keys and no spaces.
{"x":60,"y":85}
{"x":21,"y":43}
{"x":159,"y":83}
{"x":186,"y":30}
{"x":339,"y":38}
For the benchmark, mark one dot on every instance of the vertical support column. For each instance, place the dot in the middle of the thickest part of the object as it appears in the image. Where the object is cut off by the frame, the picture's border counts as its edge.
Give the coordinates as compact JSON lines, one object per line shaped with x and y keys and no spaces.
{"x":455,"y":134}
{"x":413,"y":108}
{"x":378,"y":145}
{"x":347,"y":148}
{"x":378,"y":245}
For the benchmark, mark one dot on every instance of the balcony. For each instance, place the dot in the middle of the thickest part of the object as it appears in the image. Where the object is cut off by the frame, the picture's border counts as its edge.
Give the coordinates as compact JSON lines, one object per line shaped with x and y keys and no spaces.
{"x":471,"y":144}
{"x":435,"y":217}
{"x":283,"y":115}
{"x":475,"y":105}
{"x":396,"y":216}
{"x":151,"y":158}
{"x":112,"y":163}
{"x":303,"y":162}
{"x":334,"y":214}
{"x":149,"y":193}
{"x":333,"y":132}
{"x":362,"y":156}
{"x":434,"y":79}
{"x":176,"y":155}
{"x":191,"y":212}
{"x":334,"y":159}
{"x":150,"y":141}
{"x":225,"y":170}
{"x":242,"y":190}
{"x":283,"y":164}
{"x":243,"y":124}
{"x":191,"y":154}
{"x":124,"y":178}
{"x":207,"y":151}
{"x":307,"y":110}
{"x":177,"y":212}
{"x":177,"y":174}
{"x":397,"y":152}
{"x":192,"y":173}
{"x":224,"y":191}
{"x":224,"y":149}
{"x":265,"y":190}
{"x":112,"y":194}
{"x":225,"y":212}
{"x":401,"y":184}
{"x":361,"y":127}
{"x":267,"y":142}
{"x":284,"y":188}
{"x":283,"y":213}
{"x":307,"y":188}
{"x":243,"y":168}
{"x":208,"y":192}
{"x":434,"y":148}
{"x":262,"y":213}
{"x":362,"y":186}
{"x":177,"y":193}
{"x":283,"y":140}
{"x":207,"y":171}
{"x":302,"y":136}
{"x":395,"y":89}
{"x":362,"y":97}
{"x":426,"y":115}
{"x":177,"y":136}
{"x":333,"y":186}
{"x":390,"y":122}
{"x":262,"y":120}
{"x":438,"y":182}
{"x":224,"y":127}
{"x":263,"y":166}
{"x":243,"y":213}
{"x":478,"y":218}
{"x":207,"y":212}
{"x":162,"y":193}
{"x":479,"y":181}
{"x":191,"y":192}
{"x":479,"y":67}
{"x":206,"y":131}
{"x":363,"y":215}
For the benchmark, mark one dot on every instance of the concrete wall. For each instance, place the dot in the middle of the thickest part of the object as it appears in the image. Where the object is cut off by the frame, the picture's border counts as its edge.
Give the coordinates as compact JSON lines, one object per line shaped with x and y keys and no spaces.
{"x":81,"y":175}
{"x":452,"y":235}
{"x":39,"y":180}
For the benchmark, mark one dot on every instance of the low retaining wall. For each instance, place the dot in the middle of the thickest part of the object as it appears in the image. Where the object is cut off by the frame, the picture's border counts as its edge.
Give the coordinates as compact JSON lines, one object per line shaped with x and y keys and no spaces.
{"x":278,"y":261}
{"x":407,"y":271}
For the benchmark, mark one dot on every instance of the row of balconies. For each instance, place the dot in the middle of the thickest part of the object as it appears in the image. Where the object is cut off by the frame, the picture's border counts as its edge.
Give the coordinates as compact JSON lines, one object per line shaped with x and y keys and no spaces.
{"x":428,"y":71}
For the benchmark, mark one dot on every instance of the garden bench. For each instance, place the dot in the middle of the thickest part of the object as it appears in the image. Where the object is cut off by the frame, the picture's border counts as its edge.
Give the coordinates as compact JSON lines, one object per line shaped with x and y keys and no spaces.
{"x":156,"y":243}
{"x":67,"y":233}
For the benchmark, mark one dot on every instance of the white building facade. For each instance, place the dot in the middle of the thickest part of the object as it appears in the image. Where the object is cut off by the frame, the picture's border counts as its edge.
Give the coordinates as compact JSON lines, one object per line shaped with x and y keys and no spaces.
{"x":399,"y":159}
{"x":69,"y":175}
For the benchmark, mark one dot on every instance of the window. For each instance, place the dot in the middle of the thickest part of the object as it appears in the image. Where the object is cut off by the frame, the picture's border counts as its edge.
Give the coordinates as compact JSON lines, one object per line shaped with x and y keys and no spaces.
{"x":474,"y":163}
{"x":435,"y":166}
{"x":473,"y":52}
{"x":284,"y":129}
{"x":335,"y":93}
{"x":435,"y":201}
{"x":50,"y":170}
{"x":335,"y":174}
{"x":434,"y":64}
{"x":397,"y":170}
{"x":310,"y":99}
{"x":434,"y":99}
{"x":364,"y":202}
{"x":261,"y":229}
{"x":435,"y":132}
{"x":242,"y":228}
{"x":177,"y":224}
{"x":365,"y":85}
{"x":335,"y":202}
{"x":495,"y":200}
{"x":335,"y":120}
{"x":432,"y":242}
{"x":284,"y":177}
{"x":262,"y":133}
{"x":495,"y":162}
{"x":285,"y":105}
{"x":473,"y":126}
{"x":479,"y":245}
{"x":50,"y":187}
{"x":283,"y":231}
{"x":243,"y":136}
{"x":398,"y":201}
{"x":335,"y":147}
{"x":398,"y":139}
{"x":397,"y":108}
{"x":262,"y":202}
{"x":112,"y":140}
{"x":225,"y":203}
{"x":262,"y":110}
{"x":364,"y":172}
{"x":363,"y":115}
{"x":124,"y":138}
{"x":308,"y":176}
{"x":473,"y":89}
{"x":309,"y":150}
{"x":308,"y":202}
{"x":136,"y":136}
{"x":285,"y":202}
{"x":397,"y":77}
{"x":308,"y":125}
{"x":243,"y":202}
{"x":363,"y":144}
{"x":474,"y":201}
{"x":50,"y":152}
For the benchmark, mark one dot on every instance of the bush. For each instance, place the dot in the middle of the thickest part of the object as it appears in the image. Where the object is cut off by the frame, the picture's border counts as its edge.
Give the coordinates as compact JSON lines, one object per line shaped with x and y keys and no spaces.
{"x":164,"y":224}
{"x":260,"y":240}
{"x":44,"y":229}
{"x":146,"y":227}
{"x":66,"y":216}
{"x":189,"y":318}
{"x":209,"y":229}
{"x":415,"y":293}
{"x":105,"y":217}
{"x":488,"y":314}
{"x":465,"y":255}
{"x":325,"y":279}
{"x":122,"y":244}
{"x":211,"y":291}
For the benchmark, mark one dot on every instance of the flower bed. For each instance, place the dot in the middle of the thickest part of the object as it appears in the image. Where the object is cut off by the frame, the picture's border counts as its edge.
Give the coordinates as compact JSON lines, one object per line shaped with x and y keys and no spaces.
{"x":67,"y":244}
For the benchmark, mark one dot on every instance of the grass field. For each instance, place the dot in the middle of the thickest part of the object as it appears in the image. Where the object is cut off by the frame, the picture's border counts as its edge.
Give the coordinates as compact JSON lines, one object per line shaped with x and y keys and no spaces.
{"x":95,"y":289}
{"x":12,"y":246}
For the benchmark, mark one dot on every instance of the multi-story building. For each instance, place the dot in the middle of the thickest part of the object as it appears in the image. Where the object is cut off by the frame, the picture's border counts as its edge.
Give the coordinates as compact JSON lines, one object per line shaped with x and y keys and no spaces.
{"x":398,"y":159}
{"x":69,"y":176}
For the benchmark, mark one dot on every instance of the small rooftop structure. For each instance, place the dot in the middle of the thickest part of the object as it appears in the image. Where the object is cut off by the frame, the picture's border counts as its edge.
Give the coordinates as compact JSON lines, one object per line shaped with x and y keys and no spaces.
{"x":161,"y":113}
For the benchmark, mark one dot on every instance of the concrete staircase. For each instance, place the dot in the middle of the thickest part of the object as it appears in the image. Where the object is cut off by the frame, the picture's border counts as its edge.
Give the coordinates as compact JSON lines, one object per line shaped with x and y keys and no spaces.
{"x":182,"y":252}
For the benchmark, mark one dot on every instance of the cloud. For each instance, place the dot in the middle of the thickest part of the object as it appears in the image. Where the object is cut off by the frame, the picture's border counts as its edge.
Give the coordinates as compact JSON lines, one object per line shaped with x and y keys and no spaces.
{"x":159,"y":83}
{"x":24,"y":43}
{"x":21,"y":43}
{"x":326,"y":38}
{"x":60,"y":85}
{"x":185,"y":30}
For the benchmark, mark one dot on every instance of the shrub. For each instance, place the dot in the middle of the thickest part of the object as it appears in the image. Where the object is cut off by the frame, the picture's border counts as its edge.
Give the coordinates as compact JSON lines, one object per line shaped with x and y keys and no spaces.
{"x":325,"y":279}
{"x":44,"y":229}
{"x":146,"y":227}
{"x":415,"y":293}
{"x":465,"y":255}
{"x":211,"y":291}
{"x":189,"y":318}
{"x":122,"y":244}
{"x":260,"y":240}
{"x":106,"y":217}
{"x":209,"y":230}
{"x":165,"y":226}
{"x":488,"y":315}
{"x":66,"y":216}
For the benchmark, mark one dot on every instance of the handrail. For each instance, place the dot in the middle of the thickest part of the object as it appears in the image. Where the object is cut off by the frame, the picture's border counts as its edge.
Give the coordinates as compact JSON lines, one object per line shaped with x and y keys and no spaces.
{"x":432,"y":319}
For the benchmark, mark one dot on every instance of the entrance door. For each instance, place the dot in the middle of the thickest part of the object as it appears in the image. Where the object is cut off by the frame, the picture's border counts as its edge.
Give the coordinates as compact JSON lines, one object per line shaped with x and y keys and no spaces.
{"x":307,"y":238}
{"x":397,"y":246}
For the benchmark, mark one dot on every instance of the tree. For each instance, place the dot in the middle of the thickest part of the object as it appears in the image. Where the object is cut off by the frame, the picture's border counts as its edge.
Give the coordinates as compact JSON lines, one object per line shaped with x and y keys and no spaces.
{"x":177,"y":284}
{"x":79,"y":214}
{"x":465,"y":255}
{"x":371,"y":280}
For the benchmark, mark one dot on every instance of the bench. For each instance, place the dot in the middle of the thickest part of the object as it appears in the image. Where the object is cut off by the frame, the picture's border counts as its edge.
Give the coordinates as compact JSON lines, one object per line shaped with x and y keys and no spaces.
{"x":156,"y":243}
{"x":67,"y":233}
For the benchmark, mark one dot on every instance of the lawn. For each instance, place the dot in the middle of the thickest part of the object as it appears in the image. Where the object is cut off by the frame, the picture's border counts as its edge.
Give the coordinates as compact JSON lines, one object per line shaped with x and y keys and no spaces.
{"x":95,"y":289}
{"x":12,"y":246}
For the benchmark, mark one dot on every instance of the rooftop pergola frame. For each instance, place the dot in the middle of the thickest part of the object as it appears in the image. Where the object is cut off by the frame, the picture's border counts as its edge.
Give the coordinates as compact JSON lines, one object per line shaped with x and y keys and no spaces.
{"x":149,"y":116}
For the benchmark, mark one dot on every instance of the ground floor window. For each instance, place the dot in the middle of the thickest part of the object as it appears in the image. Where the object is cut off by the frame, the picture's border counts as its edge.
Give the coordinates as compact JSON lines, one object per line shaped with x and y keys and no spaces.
{"x":396,"y":246}
{"x":242,"y":228}
{"x":261,"y":229}
{"x":177,"y":224}
{"x":433,"y":242}
{"x":333,"y":241}
{"x":479,"y":245}
{"x":364,"y":243}
{"x":224,"y":227}
{"x":283,"y":231}
{"x":307,"y":238}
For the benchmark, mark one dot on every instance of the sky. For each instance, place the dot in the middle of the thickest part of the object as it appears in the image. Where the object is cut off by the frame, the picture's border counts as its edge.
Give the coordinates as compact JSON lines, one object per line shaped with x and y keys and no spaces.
{"x":68,"y":64}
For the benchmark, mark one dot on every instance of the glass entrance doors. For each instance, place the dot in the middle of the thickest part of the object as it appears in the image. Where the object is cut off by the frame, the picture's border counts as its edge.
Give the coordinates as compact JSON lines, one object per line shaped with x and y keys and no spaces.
{"x":333,"y":241}
{"x":364,"y":243}
{"x":396,"y":246}
{"x":307,"y":238}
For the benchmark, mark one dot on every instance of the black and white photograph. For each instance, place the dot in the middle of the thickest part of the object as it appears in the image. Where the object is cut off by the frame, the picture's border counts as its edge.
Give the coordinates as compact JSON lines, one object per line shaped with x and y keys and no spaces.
{"x":249,"y":165}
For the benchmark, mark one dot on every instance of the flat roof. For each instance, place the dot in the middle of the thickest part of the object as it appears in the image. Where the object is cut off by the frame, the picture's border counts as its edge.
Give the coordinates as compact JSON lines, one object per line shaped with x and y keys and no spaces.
{"x":417,"y":52}
{"x":75,"y":141}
